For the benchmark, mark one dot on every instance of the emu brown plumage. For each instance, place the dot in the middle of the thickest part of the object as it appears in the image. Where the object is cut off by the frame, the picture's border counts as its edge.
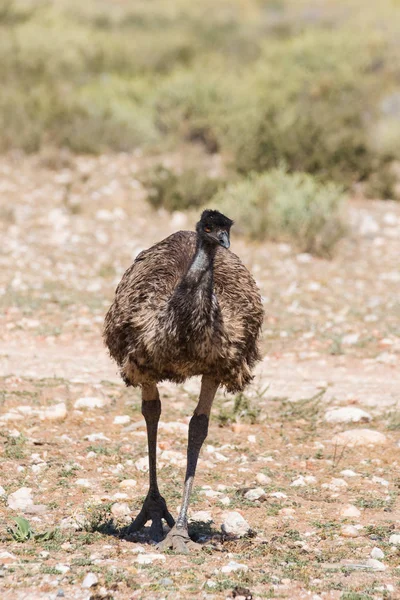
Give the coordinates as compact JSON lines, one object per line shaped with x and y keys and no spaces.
{"x":187,"y":306}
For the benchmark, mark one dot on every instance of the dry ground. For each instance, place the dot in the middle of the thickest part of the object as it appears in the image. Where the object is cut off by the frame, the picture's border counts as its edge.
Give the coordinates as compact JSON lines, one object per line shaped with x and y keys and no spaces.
{"x":69,"y":228}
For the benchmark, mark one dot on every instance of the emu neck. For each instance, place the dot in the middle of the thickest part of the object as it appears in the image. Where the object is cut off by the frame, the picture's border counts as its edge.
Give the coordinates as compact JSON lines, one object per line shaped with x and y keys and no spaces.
{"x":200,"y":272}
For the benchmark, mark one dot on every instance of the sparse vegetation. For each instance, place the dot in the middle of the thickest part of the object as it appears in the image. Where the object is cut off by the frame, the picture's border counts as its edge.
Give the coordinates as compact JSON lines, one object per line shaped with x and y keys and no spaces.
{"x":294,"y":207}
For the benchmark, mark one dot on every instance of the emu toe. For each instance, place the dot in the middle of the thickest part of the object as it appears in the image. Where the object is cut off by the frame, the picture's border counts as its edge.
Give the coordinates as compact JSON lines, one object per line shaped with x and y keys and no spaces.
{"x":178,"y":540}
{"x":154,"y":509}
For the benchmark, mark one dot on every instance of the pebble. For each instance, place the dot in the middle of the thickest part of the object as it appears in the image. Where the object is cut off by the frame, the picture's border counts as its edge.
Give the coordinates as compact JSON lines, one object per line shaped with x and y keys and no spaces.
{"x":302,"y":481}
{"x":349,"y":473}
{"x":90,"y":402}
{"x":395,"y":539}
{"x":2,"y":492}
{"x":174,"y":427}
{"x":121,"y":419}
{"x":20,"y":499}
{"x":335,"y":484}
{"x":263,"y":479}
{"x":255,"y":494}
{"x":234,"y":524}
{"x":202,"y":516}
{"x":90,"y":580}
{"x":83,"y":483}
{"x":62,"y":568}
{"x":350,"y":511}
{"x":120,"y":510}
{"x":380,"y":480}
{"x":57,"y":412}
{"x":95,"y":437}
{"x":359,"y":437}
{"x":375,"y":564}
{"x":142,"y":464}
{"x":147,"y":559}
{"x":347,"y":414}
{"x":233,"y":566}
{"x":349,"y":531}
{"x":377,"y":553}
{"x":280,"y":495}
{"x":127,"y":484}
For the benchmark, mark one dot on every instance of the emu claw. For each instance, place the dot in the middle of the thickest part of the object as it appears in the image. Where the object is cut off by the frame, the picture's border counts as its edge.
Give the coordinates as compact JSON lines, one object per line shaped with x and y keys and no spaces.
{"x":154,"y":509}
{"x":178,"y":540}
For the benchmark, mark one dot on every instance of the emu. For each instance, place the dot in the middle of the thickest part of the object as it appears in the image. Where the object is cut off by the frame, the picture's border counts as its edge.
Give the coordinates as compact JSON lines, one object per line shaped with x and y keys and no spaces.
{"x":187,"y":306}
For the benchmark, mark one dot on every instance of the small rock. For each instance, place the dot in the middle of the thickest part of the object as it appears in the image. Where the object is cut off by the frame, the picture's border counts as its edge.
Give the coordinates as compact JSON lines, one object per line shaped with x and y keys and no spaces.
{"x":395,"y":539}
{"x":7,"y":557}
{"x":377,"y":553}
{"x":120,"y":510}
{"x":90,"y":402}
{"x":234,"y":524}
{"x":350,"y":339}
{"x":263,"y":479}
{"x":166,"y":581}
{"x":2,"y":492}
{"x":57,"y":412}
{"x":90,"y":580}
{"x":349,"y":531}
{"x":335,"y":484}
{"x":62,"y":568}
{"x":225,"y":501}
{"x":347,"y":414}
{"x":376,"y":565}
{"x":20,"y":499}
{"x":127,"y":484}
{"x":95,"y":437}
{"x":147,"y":559}
{"x":202,"y":516}
{"x":349,"y":473}
{"x":380,"y":480}
{"x":280,"y":495}
{"x":386,"y":358}
{"x":359,"y":437}
{"x":368,"y":226}
{"x":350,"y":512}
{"x":255,"y":494}
{"x":302,"y":481}
{"x":121,"y":420}
{"x":83,"y":483}
{"x":233,"y":566}
{"x":142,"y":464}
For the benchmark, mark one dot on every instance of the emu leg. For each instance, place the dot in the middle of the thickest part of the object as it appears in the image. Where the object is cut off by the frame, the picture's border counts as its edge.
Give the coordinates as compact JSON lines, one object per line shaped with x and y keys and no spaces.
{"x":154,"y":507}
{"x":178,"y":538}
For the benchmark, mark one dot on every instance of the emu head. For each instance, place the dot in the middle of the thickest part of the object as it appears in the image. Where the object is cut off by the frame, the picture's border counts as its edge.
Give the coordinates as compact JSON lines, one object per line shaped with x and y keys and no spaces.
{"x":214,"y":228}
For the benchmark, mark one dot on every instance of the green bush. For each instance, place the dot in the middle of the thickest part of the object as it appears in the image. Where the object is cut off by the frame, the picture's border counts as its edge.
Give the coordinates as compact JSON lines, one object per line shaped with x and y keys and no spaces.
{"x":277,"y":205}
{"x":173,"y":191}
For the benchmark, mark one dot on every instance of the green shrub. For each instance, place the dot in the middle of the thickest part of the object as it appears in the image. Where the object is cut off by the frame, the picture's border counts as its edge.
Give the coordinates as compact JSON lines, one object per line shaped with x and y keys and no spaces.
{"x":173,"y":191}
{"x":294,"y":207}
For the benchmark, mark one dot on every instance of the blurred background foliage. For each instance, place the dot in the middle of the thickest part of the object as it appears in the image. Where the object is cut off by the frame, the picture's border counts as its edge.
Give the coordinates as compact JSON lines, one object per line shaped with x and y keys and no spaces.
{"x":309,"y":84}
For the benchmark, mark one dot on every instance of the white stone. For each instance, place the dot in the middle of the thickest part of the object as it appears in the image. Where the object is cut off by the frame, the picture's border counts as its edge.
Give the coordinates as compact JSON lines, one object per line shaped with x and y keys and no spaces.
{"x":201,"y":516}
{"x":225,"y":501}
{"x":375,"y":564}
{"x":380,"y":480}
{"x":90,"y":402}
{"x":368,"y":226}
{"x":147,"y":559}
{"x":211,"y":493}
{"x":142,"y":464}
{"x":121,"y":420}
{"x":90,"y":580}
{"x":280,"y":495}
{"x":349,"y":531}
{"x":2,"y":492}
{"x":386,"y":358}
{"x":127,"y":484}
{"x":62,"y":568}
{"x":335,"y":484}
{"x":350,"y":339}
{"x":349,"y":473}
{"x":377,"y":553}
{"x":174,"y":427}
{"x":359,"y":437}
{"x":83,"y":483}
{"x":21,"y":499}
{"x":395,"y":539}
{"x":4,"y":555}
{"x":347,"y":414}
{"x":255,"y":494}
{"x":263,"y":479}
{"x":233,"y":566}
{"x":57,"y":412}
{"x":94,"y":437}
{"x":299,"y":482}
{"x":120,"y":510}
{"x":234,"y":524}
{"x":251,"y":439}
{"x":350,"y":512}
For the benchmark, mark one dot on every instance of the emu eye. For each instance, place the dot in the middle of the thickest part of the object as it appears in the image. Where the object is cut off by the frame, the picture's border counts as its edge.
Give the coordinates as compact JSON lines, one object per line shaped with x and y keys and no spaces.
{"x":207,"y":229}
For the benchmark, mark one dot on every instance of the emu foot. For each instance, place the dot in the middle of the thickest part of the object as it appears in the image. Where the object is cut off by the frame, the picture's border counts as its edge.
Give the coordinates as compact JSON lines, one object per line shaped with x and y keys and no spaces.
{"x":154,"y":509}
{"x":178,"y":540}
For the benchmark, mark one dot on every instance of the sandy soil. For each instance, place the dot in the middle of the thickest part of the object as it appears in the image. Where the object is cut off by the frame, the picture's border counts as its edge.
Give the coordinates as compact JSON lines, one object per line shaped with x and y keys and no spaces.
{"x":331,"y":339}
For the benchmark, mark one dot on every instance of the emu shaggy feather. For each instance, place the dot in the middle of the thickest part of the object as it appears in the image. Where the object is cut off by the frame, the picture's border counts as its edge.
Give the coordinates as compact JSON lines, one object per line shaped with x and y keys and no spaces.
{"x":166,"y":325}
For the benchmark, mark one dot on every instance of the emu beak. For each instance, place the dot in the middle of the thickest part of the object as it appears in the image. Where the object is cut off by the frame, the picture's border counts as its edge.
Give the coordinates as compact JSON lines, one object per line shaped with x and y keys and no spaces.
{"x":223,"y":239}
